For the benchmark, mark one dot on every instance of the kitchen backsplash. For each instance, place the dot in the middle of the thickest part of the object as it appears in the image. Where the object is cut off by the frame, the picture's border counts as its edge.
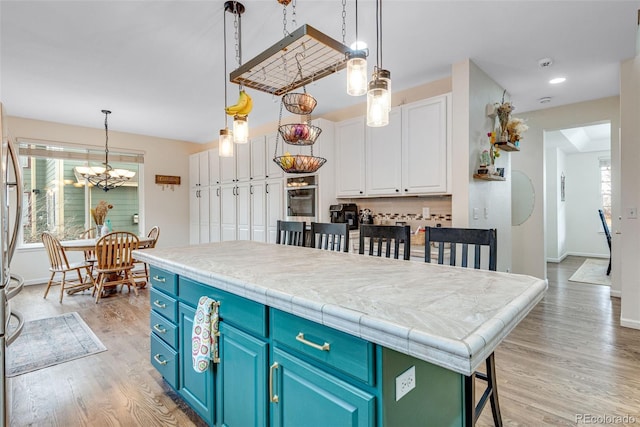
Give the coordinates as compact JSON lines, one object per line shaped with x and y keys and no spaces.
{"x":407,"y":209}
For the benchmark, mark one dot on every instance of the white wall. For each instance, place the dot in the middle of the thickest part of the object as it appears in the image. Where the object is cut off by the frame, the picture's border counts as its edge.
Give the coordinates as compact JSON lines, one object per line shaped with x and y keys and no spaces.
{"x":165,"y":208}
{"x":585,"y":235}
{"x":555,"y":209}
{"x":630,"y":159}
{"x":528,"y":237}
{"x":473,"y":89}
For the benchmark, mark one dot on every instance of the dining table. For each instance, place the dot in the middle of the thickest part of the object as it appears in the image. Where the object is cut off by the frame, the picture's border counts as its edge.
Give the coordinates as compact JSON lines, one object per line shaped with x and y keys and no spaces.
{"x":90,"y":245}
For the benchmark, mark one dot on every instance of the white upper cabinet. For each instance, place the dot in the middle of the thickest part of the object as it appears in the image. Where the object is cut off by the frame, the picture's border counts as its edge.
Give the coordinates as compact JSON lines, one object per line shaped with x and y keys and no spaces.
{"x":273,"y":170}
{"x":426,"y":146}
{"x":214,"y":167}
{"x":349,"y":150}
{"x":384,"y":158}
{"x":258,"y":162}
{"x":228,"y":168}
{"x":199,"y":169}
{"x":243,"y":162}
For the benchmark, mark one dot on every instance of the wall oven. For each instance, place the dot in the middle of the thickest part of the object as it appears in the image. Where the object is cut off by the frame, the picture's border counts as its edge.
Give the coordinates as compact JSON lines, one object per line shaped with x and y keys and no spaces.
{"x":302,"y":199}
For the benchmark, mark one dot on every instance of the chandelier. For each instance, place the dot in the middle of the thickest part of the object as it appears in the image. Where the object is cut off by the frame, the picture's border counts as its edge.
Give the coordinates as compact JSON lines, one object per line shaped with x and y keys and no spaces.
{"x":105,"y":177}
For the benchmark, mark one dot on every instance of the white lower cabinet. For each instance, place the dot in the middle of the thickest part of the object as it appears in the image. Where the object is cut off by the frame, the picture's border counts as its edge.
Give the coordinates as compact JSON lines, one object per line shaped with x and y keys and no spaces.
{"x":214,"y":214}
{"x":235,"y":216}
{"x":258,"y":212}
{"x":266,"y":209}
{"x":199,"y":215}
{"x":274,"y":207}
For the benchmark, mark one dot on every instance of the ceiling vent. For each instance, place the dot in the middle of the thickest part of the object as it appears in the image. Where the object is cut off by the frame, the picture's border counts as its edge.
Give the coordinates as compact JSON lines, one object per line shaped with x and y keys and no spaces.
{"x":545,"y":62}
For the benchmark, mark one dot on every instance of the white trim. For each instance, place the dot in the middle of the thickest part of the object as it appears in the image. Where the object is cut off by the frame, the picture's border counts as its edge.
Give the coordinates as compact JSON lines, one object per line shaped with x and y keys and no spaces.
{"x":615,"y":294}
{"x":558,"y":260}
{"x":587,"y":255}
{"x":629,"y":323}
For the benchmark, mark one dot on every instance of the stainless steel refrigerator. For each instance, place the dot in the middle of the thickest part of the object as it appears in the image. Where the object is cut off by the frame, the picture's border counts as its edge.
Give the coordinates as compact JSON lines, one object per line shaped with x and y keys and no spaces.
{"x":10,"y":283}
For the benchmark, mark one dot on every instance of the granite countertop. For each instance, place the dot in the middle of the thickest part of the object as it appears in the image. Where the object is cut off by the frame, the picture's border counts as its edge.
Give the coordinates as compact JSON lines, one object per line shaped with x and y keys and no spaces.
{"x":452,"y":317}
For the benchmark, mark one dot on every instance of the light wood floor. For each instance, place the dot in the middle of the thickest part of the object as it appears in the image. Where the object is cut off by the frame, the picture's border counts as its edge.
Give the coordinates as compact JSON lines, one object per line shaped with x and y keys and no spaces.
{"x":568,"y":357}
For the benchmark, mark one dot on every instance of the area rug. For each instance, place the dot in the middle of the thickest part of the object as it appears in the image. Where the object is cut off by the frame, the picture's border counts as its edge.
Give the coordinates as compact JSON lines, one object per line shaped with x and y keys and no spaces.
{"x":593,"y":271}
{"x":50,"y":341}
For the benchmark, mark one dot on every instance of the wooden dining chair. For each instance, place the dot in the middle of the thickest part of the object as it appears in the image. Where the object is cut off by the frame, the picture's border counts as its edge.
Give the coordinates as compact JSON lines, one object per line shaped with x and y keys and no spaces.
{"x":387,"y":237}
{"x":330,"y":236}
{"x":460,"y":240}
{"x":607,"y":234}
{"x":115,"y":261}
{"x":290,"y":233}
{"x":60,"y":265}
{"x":140,"y":271}
{"x":89,"y":255}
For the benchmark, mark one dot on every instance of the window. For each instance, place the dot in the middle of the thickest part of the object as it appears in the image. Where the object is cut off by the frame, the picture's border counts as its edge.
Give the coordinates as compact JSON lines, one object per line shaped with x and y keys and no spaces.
{"x":57,"y":199}
{"x":605,"y":188}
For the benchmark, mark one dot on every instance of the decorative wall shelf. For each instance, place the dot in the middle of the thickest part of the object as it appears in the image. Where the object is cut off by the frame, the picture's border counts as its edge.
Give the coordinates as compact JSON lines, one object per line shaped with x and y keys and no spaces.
{"x":507,"y":146}
{"x":488,"y":177}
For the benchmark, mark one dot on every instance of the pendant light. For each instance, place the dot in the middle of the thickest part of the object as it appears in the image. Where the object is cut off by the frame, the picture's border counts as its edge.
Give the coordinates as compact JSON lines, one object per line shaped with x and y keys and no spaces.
{"x":240,"y":121}
{"x":378,"y":95}
{"x":105,"y":177}
{"x":356,"y":61}
{"x":225,"y":141}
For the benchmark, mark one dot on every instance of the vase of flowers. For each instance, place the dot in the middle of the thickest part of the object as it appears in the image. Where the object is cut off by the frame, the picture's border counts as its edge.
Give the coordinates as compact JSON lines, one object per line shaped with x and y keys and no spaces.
{"x":516,"y":127}
{"x":503,"y":111}
{"x":99,"y":215}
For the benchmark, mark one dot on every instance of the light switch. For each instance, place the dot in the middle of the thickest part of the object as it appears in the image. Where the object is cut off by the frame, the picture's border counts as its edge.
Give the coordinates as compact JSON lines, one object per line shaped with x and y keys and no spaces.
{"x":476,"y":213}
{"x":486,"y":213}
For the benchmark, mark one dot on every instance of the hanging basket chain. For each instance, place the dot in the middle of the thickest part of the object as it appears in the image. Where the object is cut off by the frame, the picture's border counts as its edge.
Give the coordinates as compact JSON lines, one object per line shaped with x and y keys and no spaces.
{"x":275,"y":154}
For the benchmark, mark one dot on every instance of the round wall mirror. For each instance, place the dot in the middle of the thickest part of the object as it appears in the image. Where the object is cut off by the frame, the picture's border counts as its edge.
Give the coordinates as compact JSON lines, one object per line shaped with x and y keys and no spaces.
{"x":523,"y":197}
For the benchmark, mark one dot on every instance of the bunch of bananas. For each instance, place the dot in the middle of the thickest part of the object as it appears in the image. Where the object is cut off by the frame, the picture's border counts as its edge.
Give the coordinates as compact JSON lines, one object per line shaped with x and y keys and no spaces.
{"x":242,"y":107}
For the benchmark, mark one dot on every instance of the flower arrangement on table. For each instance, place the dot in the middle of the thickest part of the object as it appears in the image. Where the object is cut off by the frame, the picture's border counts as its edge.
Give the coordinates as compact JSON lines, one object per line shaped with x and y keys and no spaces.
{"x":99,"y":213}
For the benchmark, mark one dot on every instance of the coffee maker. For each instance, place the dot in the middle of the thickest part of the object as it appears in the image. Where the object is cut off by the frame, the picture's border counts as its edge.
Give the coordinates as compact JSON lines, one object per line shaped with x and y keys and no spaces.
{"x":345,"y":212}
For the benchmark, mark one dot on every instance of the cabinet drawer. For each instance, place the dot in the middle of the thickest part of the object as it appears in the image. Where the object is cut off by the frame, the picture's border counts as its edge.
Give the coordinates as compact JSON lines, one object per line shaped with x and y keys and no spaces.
{"x":346,"y":353}
{"x":165,"y":360}
{"x":164,"y":304}
{"x":164,"y":329}
{"x":164,"y":280}
{"x":240,"y":312}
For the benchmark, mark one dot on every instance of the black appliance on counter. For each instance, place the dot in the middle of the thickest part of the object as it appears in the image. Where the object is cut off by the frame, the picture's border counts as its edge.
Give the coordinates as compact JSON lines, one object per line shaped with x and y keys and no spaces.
{"x":345,"y":212}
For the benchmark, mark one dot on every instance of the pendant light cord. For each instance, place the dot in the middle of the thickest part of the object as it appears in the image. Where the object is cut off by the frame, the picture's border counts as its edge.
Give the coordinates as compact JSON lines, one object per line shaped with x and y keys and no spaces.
{"x":357,"y":42}
{"x":224,"y":72}
{"x":106,"y":140}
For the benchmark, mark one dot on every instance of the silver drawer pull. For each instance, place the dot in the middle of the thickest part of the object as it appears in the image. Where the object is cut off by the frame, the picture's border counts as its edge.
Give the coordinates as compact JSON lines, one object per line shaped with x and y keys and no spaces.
{"x":157,"y":359}
{"x":160,"y":329}
{"x":323,"y":347}
{"x":159,"y":279}
{"x":159,"y":305}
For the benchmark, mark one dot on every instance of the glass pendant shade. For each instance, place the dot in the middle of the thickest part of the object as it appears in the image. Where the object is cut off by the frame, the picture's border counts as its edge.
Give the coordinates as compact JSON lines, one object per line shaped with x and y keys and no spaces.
{"x":356,"y":72}
{"x":225,"y":143}
{"x":240,"y":129}
{"x":377,"y":104}
{"x":385,"y":75}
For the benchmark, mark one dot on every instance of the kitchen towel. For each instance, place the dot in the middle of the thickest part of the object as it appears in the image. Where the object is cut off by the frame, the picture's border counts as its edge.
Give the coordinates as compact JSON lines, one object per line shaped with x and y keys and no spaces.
{"x":204,"y":336}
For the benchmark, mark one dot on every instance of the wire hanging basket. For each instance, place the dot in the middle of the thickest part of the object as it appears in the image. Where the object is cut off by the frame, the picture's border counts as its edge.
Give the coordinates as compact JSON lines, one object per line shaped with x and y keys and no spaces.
{"x":299,"y":133}
{"x":299,"y":103}
{"x":299,"y":163}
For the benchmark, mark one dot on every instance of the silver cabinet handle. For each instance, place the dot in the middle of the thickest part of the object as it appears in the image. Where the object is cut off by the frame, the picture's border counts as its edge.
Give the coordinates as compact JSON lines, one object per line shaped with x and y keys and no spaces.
{"x":157,"y":359}
{"x":160,"y":329}
{"x":324,"y":347}
{"x":266,"y":188}
{"x":159,"y":305}
{"x":272,"y":397}
{"x":159,"y":279}
{"x":18,"y":184}
{"x":11,"y":338}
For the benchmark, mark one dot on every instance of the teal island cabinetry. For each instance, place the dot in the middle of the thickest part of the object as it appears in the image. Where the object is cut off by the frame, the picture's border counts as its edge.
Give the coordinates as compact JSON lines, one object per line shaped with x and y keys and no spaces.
{"x":317,"y":338}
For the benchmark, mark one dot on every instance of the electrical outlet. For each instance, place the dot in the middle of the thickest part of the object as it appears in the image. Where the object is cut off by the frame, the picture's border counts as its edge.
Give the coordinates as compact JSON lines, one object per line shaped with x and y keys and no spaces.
{"x":426,"y":213}
{"x":476,"y":213}
{"x":486,"y":213}
{"x":405,"y":382}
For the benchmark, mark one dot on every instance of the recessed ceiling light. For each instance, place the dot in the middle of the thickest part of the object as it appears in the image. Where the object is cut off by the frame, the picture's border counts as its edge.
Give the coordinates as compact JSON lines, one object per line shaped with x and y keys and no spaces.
{"x":557,"y":80}
{"x":544,"y":100}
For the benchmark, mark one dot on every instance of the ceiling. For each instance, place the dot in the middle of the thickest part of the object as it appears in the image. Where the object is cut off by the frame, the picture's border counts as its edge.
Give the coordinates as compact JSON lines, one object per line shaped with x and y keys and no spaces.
{"x":583,"y":139}
{"x":158,"y":65}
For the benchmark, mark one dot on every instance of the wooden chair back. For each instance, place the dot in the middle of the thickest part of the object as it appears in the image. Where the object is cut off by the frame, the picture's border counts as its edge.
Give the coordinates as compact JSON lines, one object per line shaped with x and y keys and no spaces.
{"x":464,"y":237}
{"x":89,"y":256}
{"x":387,"y":236}
{"x":330,"y":236}
{"x":154,"y":234}
{"x":113,"y":251}
{"x":57,"y":256}
{"x":290,"y":233}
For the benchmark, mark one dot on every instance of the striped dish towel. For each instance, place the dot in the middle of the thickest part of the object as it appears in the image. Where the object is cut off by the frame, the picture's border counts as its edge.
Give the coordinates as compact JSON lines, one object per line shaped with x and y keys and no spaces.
{"x":204,"y":336}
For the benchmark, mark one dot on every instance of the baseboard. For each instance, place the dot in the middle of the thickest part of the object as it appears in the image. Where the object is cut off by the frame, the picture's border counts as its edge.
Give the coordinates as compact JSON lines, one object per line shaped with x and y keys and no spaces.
{"x":615,"y":294}
{"x":587,"y":255}
{"x":628,"y":323}
{"x":557,"y":260}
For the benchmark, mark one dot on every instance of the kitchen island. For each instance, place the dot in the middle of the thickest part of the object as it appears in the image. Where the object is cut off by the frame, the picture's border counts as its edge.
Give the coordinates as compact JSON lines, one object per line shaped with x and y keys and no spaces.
{"x":355,"y":340}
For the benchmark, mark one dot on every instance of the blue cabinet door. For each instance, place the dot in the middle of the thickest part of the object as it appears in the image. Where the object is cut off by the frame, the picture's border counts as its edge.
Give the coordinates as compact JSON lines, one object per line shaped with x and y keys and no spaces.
{"x":196,"y":388}
{"x":242,"y":380}
{"x":303,"y":395}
